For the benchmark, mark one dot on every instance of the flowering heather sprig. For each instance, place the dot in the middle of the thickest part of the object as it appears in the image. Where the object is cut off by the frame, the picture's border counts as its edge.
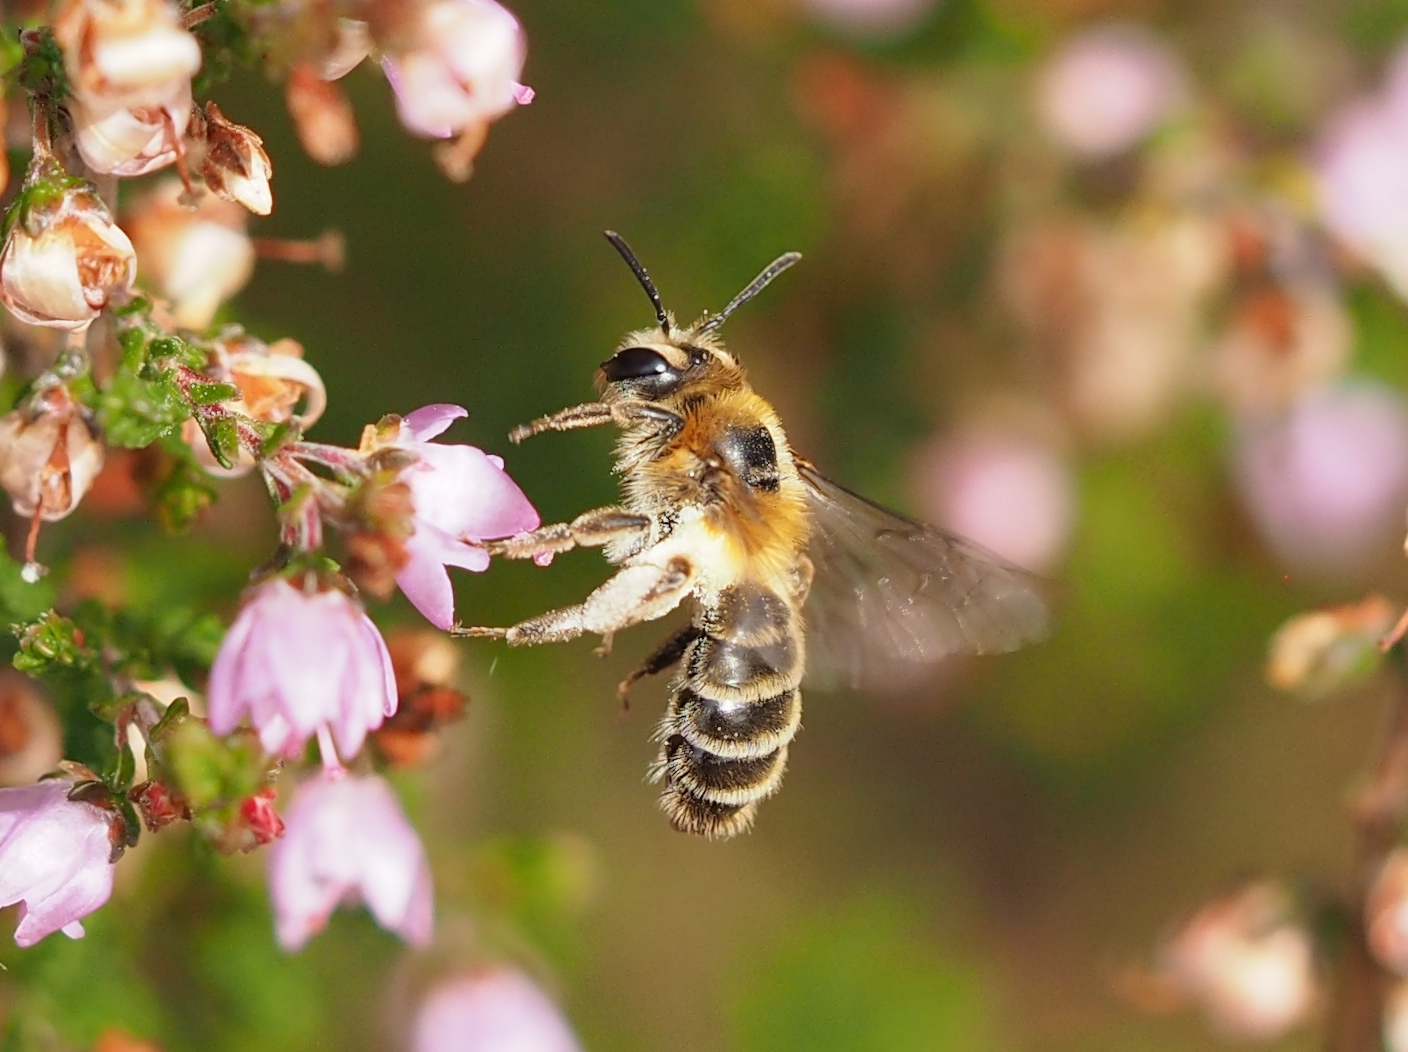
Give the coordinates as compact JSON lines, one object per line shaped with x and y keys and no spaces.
{"x":112,"y":87}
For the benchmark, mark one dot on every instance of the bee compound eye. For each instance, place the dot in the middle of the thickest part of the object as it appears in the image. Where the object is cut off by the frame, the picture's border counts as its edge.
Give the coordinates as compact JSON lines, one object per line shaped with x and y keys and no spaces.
{"x":635,"y":363}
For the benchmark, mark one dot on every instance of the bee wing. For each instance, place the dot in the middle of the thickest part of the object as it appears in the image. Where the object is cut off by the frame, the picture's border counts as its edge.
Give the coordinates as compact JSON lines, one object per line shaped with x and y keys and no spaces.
{"x":889,"y":590}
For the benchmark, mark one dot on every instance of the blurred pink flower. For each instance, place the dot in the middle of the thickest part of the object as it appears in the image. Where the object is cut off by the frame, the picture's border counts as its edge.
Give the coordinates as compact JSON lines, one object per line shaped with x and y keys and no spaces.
{"x":1108,"y":88}
{"x":300,"y":663}
{"x":1361,"y":165}
{"x":462,"y":69}
{"x":461,"y":496}
{"x":495,"y":1011}
{"x":56,"y":858}
{"x":346,"y":838}
{"x":1008,"y":492}
{"x":1247,"y":962}
{"x":881,"y":17}
{"x":1327,"y":482}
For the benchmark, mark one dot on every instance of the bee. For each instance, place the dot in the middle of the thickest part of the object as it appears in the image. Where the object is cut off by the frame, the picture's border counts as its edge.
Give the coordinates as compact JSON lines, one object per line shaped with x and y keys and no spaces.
{"x":772,"y":556}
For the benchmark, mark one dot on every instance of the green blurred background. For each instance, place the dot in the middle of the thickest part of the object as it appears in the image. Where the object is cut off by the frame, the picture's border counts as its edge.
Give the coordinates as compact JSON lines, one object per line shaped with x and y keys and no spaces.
{"x":962,"y":864}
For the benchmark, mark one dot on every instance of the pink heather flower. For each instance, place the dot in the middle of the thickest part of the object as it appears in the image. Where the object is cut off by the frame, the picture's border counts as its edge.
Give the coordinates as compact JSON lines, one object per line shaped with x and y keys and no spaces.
{"x":495,"y":1011}
{"x":1361,"y":167}
{"x":346,"y":838}
{"x":1327,"y":482}
{"x":461,"y":496}
{"x":462,"y":70}
{"x":300,"y":663}
{"x":881,"y":17}
{"x":1106,"y":89}
{"x":55,"y":858}
{"x":1008,"y":492}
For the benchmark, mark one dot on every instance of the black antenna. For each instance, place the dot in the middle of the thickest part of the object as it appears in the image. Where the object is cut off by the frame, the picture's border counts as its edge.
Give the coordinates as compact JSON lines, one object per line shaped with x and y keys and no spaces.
{"x":755,"y":286}
{"x":619,"y":244}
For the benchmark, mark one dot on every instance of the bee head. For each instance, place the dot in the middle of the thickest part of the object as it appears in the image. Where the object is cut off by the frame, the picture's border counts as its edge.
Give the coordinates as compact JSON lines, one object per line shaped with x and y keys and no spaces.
{"x":657,"y":363}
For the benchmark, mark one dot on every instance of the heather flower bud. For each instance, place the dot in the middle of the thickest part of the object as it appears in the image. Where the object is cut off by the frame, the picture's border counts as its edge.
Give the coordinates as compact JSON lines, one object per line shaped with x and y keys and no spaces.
{"x":129,"y":64}
{"x":126,"y":53}
{"x":131,"y":141}
{"x":50,"y":453}
{"x":322,"y":117}
{"x":236,"y":167}
{"x":196,"y":258}
{"x":63,"y":259}
{"x":1322,"y":651}
{"x":159,"y":805}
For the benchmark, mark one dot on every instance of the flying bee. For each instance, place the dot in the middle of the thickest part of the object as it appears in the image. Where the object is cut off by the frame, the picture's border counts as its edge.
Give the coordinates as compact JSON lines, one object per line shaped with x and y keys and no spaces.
{"x":717,"y":508}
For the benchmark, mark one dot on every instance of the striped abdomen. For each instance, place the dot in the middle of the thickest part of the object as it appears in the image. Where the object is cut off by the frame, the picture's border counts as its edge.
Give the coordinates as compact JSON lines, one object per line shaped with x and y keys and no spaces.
{"x":733,"y":712}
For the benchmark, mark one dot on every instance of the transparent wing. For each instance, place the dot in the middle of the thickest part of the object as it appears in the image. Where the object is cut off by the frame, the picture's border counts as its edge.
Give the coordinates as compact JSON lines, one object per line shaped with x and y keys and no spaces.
{"x":890,"y":590}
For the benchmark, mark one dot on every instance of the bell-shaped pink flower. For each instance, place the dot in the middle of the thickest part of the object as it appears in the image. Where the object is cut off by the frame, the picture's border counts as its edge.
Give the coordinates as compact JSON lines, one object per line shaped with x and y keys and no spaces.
{"x":299,"y":662}
{"x":462,"y":69}
{"x":347,"y":838}
{"x":461,"y":496}
{"x":494,"y":1011}
{"x":55,"y":858}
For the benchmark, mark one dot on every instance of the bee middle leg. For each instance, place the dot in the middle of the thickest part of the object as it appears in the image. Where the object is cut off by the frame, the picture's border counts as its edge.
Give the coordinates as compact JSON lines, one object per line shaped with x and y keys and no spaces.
{"x":640,"y":592}
{"x":591,"y":529}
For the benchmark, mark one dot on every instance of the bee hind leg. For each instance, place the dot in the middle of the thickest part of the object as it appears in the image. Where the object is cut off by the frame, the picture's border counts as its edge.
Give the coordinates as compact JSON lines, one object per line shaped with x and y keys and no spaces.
{"x":666,"y":657}
{"x":591,"y":529}
{"x":640,"y":592}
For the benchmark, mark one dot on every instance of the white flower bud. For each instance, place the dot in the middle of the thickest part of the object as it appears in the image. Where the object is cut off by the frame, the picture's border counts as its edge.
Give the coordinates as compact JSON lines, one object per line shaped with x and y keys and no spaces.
{"x":130,"y":141}
{"x":126,"y":54}
{"x":63,"y":259}
{"x":50,"y":453}
{"x":196,"y":258}
{"x":236,"y":167}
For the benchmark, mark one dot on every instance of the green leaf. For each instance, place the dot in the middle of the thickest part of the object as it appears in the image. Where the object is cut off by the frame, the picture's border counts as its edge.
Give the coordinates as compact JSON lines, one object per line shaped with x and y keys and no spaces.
{"x":222,"y":434}
{"x":51,"y":642}
{"x":211,"y":393}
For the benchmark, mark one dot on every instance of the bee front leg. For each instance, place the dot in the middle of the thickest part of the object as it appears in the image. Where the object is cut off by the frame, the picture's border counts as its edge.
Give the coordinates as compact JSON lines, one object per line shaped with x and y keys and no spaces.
{"x":591,"y":529}
{"x":595,"y":414}
{"x":640,"y":592}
